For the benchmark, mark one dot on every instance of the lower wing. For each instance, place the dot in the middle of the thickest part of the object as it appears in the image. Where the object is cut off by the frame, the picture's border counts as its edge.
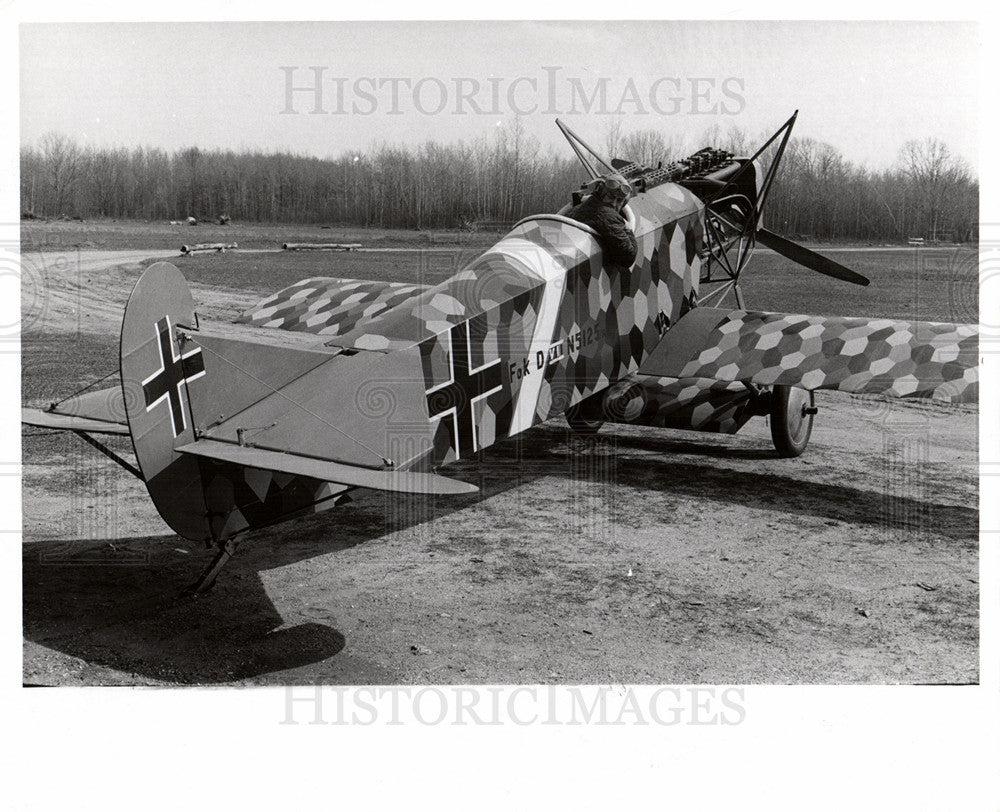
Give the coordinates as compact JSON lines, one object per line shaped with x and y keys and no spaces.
{"x":913,"y":359}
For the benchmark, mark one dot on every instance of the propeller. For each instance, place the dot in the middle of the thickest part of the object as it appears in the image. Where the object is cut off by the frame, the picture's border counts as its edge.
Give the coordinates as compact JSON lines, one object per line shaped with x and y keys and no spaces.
{"x":810,"y":259}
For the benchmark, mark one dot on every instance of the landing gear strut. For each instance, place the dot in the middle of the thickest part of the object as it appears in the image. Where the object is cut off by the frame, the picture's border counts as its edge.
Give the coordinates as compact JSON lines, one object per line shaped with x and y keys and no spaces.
{"x":791,"y":411}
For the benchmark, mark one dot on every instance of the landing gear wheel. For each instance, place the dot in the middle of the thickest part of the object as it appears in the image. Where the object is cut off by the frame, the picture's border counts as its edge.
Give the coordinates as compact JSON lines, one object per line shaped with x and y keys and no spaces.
{"x":580,"y":423}
{"x":792,"y":411}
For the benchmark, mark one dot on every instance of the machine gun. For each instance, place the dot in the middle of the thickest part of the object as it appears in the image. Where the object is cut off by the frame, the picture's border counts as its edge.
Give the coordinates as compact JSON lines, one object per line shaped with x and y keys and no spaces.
{"x":708,"y":166}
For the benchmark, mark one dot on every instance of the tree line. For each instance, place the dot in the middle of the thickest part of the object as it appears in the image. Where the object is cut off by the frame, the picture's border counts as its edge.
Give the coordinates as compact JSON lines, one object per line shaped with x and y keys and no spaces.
{"x":490,"y":182}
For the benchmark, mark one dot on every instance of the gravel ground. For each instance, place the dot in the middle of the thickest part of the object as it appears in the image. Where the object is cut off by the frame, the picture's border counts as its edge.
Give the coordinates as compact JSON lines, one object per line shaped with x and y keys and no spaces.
{"x":646,"y":556}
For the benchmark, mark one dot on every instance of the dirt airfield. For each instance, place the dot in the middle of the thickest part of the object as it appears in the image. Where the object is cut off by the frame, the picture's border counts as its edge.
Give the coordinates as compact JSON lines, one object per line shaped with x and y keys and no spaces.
{"x":646,"y":556}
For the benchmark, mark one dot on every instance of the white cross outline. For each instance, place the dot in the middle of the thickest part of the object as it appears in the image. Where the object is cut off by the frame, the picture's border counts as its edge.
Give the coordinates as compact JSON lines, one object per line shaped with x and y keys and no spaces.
{"x":163,"y":368}
{"x":453,"y":411}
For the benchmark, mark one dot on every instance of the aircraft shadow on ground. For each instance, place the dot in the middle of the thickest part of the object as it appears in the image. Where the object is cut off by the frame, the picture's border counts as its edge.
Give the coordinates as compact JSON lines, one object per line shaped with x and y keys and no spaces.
{"x":110,"y":611}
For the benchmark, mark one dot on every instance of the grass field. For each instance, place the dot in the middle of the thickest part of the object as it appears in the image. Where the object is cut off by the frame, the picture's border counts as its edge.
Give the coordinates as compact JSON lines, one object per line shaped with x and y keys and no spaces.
{"x":931,"y":285}
{"x":936,"y":284}
{"x":123,"y":235}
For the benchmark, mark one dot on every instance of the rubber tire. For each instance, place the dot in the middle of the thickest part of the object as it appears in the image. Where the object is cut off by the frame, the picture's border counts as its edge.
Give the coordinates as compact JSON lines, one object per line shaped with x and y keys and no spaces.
{"x":790,"y":426}
{"x":582,"y":425}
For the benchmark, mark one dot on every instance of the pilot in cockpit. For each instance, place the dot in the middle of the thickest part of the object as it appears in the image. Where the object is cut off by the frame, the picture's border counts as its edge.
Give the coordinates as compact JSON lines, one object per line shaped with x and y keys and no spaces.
{"x":602,"y":211}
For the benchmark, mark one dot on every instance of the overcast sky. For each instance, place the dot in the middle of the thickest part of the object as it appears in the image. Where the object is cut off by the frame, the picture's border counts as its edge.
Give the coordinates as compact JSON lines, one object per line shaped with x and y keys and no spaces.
{"x":864,"y":87}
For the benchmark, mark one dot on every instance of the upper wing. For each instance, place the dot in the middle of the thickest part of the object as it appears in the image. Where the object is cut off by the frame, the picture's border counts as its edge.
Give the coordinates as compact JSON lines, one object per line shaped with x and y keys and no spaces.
{"x":328,"y":306}
{"x":916,"y":359}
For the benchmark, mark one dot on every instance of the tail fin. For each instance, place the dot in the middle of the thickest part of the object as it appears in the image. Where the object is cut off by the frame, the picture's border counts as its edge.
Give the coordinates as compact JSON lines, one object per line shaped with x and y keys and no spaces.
{"x":155,"y":378}
{"x":168,"y":384}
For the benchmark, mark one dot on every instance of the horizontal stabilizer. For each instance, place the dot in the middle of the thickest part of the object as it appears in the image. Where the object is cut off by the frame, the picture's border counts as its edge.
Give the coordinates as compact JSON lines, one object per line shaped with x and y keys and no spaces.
{"x":327,"y":470}
{"x":65,"y":422}
{"x":99,"y":412}
{"x":912,"y":359}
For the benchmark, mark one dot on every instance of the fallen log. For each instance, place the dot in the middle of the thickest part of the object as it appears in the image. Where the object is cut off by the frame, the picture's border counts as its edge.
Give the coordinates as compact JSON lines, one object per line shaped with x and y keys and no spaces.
{"x":221,"y":247}
{"x":320,"y":246}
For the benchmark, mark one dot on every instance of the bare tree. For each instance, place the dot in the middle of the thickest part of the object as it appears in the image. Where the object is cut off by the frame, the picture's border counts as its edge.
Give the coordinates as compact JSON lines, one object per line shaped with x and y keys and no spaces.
{"x":738,"y":142}
{"x":613,"y":138}
{"x":645,"y":146}
{"x":104,"y":169}
{"x":934,"y":174}
{"x":30,"y":173}
{"x":501,"y":177}
{"x":63,"y":163}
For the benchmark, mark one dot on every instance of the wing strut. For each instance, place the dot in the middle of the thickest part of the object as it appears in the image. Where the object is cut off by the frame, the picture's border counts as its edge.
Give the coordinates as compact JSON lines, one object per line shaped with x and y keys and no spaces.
{"x":107,"y":452}
{"x":784,"y":130}
{"x":579,"y":147}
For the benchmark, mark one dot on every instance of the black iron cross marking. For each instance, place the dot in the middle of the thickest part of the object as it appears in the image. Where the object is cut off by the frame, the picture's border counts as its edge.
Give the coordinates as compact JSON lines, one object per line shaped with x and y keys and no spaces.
{"x":168,"y":381}
{"x":456,"y":397}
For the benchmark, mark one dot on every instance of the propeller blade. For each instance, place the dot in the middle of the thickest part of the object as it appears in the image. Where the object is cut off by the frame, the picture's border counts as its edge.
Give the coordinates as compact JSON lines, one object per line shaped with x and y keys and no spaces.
{"x":810,"y":259}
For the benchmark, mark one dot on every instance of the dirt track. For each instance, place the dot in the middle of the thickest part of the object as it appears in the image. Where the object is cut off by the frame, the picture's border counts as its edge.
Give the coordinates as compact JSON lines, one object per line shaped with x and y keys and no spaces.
{"x":650,"y":556}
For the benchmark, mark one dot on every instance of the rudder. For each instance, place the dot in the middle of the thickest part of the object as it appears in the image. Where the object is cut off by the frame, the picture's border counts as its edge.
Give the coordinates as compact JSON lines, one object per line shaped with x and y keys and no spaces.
{"x":175,"y":379}
{"x":156,"y":371}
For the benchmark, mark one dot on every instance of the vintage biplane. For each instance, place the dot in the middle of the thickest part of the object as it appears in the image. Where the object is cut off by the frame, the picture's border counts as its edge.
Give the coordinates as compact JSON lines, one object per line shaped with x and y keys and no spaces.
{"x":337,"y":384}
